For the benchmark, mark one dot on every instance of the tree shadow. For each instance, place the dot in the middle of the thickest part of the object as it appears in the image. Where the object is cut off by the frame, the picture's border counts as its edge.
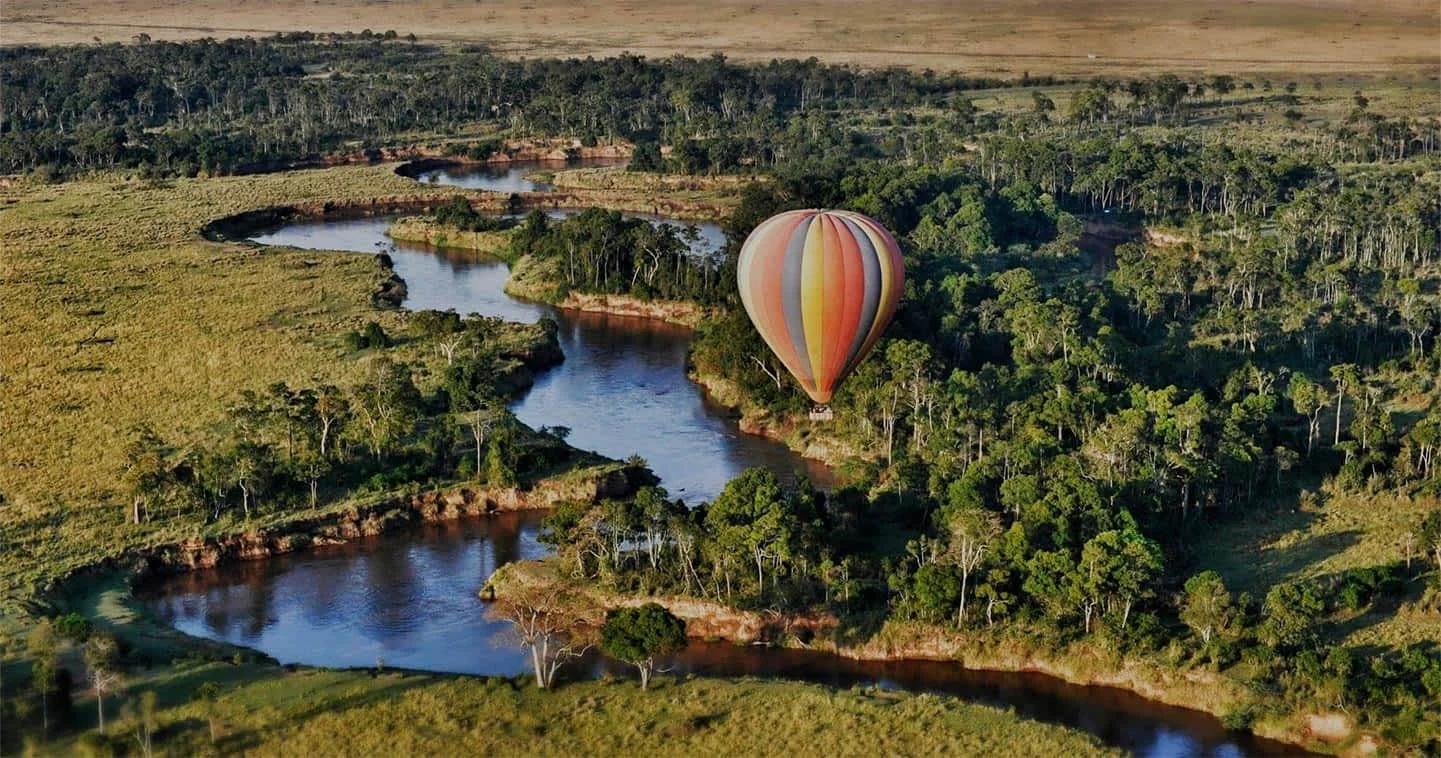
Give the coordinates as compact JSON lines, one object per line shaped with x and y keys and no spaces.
{"x":322,"y":703}
{"x":1268,"y":546}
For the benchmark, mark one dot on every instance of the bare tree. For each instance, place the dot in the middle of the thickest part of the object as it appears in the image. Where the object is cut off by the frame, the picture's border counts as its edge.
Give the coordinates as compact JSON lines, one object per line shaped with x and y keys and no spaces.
{"x":448,"y":345}
{"x":100,"y":659}
{"x":1408,"y":546}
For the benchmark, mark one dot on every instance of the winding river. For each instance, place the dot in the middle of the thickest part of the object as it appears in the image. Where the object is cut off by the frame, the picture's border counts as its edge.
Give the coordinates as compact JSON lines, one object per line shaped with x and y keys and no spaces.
{"x":408,"y":598}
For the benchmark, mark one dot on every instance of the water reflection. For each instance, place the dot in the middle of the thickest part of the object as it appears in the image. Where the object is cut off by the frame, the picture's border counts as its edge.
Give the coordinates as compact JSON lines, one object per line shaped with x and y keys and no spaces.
{"x":518,"y":176}
{"x":409,"y":599}
{"x":622,"y":389}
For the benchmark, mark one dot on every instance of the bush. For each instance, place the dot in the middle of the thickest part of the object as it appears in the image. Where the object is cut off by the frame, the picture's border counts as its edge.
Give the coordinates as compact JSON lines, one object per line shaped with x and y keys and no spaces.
{"x":372,"y":336}
{"x":1239,"y":718}
{"x":73,"y":627}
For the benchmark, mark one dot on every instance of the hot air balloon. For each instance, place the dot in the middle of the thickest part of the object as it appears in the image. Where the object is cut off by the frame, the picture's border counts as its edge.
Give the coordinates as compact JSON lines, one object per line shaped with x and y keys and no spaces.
{"x":820,"y":287}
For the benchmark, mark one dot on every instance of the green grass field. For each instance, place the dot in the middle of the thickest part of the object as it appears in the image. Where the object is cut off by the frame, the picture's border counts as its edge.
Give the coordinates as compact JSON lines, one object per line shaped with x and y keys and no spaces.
{"x":265,"y":711}
{"x":1323,"y":536}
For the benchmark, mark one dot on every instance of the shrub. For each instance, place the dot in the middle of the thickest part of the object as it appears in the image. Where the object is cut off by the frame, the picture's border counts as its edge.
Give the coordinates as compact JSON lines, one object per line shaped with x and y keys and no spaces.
{"x":1239,"y":718}
{"x":73,"y":627}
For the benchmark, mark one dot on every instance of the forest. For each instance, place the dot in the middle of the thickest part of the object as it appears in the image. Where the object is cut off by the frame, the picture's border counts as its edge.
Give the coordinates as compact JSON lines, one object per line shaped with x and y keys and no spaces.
{"x":1140,"y":316}
{"x":232,"y":105}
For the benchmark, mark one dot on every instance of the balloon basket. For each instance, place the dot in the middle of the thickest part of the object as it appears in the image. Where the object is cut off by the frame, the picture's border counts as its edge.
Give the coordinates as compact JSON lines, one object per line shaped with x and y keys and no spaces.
{"x":822,"y":413}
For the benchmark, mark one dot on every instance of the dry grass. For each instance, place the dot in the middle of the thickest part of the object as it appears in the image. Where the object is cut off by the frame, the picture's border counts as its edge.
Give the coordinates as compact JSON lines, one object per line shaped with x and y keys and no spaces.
{"x":115,"y":313}
{"x":1001,"y":37}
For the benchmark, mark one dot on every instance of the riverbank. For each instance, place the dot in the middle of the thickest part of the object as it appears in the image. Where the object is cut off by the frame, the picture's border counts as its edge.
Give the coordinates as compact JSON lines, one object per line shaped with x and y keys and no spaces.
{"x":1080,"y":664}
{"x":538,"y":281}
{"x":807,"y":438}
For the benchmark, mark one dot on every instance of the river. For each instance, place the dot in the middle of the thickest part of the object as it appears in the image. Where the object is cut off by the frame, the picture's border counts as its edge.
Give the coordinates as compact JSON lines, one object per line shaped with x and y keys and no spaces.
{"x":409,"y":598}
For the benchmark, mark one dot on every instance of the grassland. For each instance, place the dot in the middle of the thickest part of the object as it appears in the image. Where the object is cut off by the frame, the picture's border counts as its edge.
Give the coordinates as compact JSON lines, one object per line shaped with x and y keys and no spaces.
{"x":993,"y":37}
{"x":116,"y":313}
{"x":265,"y":711}
{"x":1321,"y":536}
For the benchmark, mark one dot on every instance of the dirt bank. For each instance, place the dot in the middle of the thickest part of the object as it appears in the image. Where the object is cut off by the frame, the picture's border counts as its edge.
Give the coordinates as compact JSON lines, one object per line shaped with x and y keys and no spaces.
{"x":1197,"y":690}
{"x":353,"y":522}
{"x":809,"y":439}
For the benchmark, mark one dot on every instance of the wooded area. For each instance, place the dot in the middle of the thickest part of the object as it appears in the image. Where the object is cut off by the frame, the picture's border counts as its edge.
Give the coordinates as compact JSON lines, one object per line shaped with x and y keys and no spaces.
{"x":1052,"y":420}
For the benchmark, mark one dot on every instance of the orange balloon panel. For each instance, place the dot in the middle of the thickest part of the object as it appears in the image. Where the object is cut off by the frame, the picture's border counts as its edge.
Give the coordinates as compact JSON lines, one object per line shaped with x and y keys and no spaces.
{"x":820,"y":286}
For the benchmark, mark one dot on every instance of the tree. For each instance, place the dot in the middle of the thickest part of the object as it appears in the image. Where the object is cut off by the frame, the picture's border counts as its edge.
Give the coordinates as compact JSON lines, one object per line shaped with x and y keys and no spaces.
{"x":502,"y":452}
{"x":207,"y":697}
{"x":971,"y":531}
{"x":1119,"y":567}
{"x":42,"y":646}
{"x":1347,"y":378}
{"x":143,"y":717}
{"x":544,"y":618}
{"x":1041,"y":104}
{"x":1290,"y":610}
{"x":1206,"y":607}
{"x":146,"y":470}
{"x":101,"y":658}
{"x":646,"y":157}
{"x":331,"y":410}
{"x":754,"y":517}
{"x":1309,"y":399}
{"x":1431,"y":536}
{"x":639,"y":635}
{"x":387,"y":404}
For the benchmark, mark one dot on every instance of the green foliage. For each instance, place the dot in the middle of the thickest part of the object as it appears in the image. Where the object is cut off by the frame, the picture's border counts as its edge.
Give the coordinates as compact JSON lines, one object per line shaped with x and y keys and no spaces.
{"x":1291,"y":611}
{"x":459,"y":214}
{"x":73,"y":627}
{"x":601,"y":251}
{"x":641,"y":634}
{"x":371,"y":336}
{"x":935,"y":592}
{"x":1207,"y":607}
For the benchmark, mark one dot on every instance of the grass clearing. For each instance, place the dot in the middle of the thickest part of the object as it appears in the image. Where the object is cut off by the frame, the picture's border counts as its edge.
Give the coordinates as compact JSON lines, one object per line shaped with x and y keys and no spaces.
{"x":1304,"y":541}
{"x":1327,"y":536}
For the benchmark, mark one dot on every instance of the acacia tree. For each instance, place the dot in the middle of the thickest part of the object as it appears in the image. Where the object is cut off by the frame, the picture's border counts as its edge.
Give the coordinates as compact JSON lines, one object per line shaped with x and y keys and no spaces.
{"x":639,"y":635}
{"x":544,"y":619}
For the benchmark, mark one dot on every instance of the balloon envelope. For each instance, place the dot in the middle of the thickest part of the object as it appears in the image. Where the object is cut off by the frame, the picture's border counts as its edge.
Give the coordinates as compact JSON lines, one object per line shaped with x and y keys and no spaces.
{"x":820,"y":286}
